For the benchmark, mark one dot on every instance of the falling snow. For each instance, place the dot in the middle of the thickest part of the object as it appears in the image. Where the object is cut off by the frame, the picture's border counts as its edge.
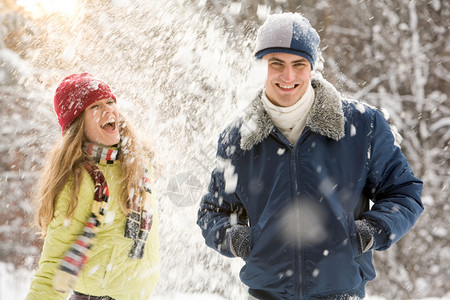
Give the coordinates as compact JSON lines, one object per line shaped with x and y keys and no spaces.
{"x":186,"y":73}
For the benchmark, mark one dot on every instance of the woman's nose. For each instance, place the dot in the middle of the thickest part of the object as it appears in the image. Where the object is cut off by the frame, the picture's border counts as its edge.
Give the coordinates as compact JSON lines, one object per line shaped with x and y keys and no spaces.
{"x":107,"y":107}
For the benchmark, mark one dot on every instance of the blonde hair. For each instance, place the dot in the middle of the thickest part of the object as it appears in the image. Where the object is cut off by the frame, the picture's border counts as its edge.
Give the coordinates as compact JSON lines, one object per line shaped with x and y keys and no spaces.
{"x":66,"y":161}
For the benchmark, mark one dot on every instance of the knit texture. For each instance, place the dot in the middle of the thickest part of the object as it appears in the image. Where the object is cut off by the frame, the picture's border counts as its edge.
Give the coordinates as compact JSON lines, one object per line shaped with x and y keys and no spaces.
{"x":75,"y":93}
{"x":365,"y":230}
{"x":139,"y":220}
{"x":290,"y":120}
{"x":288,"y":33}
{"x":238,"y":238}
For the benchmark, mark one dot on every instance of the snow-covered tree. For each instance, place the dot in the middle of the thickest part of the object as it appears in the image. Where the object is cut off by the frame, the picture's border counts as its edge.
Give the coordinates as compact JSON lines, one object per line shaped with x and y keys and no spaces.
{"x":180,"y":69}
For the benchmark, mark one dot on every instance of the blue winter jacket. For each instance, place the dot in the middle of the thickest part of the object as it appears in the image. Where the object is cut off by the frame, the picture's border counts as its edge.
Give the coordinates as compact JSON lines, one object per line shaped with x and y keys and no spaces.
{"x":301,"y":201}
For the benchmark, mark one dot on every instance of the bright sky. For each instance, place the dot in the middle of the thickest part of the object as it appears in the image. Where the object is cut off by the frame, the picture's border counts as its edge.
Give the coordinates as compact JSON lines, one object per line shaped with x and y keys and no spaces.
{"x":40,"y":8}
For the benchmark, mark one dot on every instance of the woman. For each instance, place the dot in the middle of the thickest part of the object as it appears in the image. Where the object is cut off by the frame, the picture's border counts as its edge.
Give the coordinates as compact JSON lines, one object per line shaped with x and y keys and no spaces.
{"x":95,"y":203}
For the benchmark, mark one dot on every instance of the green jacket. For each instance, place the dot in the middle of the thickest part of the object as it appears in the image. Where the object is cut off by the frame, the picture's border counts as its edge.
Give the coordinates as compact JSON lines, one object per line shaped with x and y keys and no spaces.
{"x":108,"y":271}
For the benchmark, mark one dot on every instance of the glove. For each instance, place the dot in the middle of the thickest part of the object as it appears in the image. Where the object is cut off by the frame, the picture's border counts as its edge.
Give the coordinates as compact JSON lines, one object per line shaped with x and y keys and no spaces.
{"x":238,"y":238}
{"x":64,"y":282}
{"x":365,"y":230}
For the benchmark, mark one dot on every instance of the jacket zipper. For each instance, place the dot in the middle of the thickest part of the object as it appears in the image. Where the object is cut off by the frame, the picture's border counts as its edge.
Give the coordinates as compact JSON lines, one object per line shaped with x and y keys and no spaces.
{"x":297,"y":202}
{"x":298,"y":258}
{"x":298,"y":267}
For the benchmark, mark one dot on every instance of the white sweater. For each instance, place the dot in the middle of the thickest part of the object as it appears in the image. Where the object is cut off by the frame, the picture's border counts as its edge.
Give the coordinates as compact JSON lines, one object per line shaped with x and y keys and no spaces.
{"x":290,"y":120}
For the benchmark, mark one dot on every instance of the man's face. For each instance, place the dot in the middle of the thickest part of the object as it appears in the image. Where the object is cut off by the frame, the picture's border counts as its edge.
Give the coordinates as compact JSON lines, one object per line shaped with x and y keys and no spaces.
{"x":287,"y":78}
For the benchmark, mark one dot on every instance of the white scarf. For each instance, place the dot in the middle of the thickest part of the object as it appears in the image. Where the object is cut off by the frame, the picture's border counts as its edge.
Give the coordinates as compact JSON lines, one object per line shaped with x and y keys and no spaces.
{"x":290,"y":120}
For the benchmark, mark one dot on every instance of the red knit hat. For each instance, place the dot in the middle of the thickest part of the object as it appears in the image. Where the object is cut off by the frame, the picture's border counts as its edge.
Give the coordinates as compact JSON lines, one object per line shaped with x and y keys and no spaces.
{"x":75,"y":93}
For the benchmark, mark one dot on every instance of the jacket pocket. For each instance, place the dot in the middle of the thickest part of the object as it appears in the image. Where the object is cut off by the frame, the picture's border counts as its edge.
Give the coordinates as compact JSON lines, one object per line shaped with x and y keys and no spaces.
{"x":353,"y":236}
{"x":255,"y":233}
{"x":108,"y":267}
{"x":364,"y":260}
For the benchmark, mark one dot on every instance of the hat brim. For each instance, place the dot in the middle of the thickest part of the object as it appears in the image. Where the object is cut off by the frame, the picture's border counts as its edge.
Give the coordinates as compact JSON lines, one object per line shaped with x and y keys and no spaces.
{"x":260,"y":54}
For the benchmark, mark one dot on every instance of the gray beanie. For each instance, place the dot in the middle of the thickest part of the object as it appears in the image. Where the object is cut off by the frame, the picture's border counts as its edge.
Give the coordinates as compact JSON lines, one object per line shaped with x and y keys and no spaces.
{"x":288,"y":33}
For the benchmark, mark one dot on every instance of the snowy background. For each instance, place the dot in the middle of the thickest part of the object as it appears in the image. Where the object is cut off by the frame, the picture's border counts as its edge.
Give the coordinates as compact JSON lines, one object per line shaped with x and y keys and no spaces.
{"x":181,"y":70}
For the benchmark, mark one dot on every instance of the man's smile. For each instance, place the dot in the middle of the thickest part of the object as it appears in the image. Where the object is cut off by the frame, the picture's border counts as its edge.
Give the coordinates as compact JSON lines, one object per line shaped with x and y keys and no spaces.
{"x":286,"y":87}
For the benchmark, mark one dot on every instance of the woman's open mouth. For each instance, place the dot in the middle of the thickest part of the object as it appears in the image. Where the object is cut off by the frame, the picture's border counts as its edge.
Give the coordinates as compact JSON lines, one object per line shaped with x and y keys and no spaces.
{"x":110,"y":125}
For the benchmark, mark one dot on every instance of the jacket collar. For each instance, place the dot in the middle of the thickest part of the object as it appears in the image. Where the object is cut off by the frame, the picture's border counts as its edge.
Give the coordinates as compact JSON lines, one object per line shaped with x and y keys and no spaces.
{"x":326,"y":116}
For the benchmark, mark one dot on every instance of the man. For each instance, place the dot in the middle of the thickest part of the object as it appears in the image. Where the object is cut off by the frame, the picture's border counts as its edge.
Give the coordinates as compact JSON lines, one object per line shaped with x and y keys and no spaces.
{"x":297,"y":172}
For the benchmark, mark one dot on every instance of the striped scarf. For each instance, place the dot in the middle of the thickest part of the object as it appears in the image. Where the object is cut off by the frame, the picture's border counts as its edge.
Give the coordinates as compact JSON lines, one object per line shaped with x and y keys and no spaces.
{"x":137,"y":226}
{"x":100,"y":155}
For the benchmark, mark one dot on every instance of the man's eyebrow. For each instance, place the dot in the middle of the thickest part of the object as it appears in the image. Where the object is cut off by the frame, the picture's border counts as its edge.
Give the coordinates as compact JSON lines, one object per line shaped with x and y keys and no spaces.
{"x":276,"y":59}
{"x":300,"y":60}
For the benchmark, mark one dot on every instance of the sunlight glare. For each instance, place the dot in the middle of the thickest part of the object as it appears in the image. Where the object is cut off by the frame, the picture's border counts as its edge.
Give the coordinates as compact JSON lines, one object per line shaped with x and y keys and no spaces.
{"x":40,"y":8}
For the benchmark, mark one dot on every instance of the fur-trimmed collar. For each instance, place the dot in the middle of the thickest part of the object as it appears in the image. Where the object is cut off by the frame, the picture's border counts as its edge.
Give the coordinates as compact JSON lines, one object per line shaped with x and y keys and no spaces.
{"x":326,"y":116}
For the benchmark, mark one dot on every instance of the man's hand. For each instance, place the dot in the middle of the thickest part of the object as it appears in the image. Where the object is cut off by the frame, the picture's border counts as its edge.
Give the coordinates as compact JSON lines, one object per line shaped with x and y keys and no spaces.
{"x":365,"y":230}
{"x":238,"y":238}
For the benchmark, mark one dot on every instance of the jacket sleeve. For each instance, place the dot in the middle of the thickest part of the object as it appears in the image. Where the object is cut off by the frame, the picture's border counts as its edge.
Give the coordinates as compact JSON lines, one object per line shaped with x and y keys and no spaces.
{"x":393,"y":188}
{"x":61,"y":234}
{"x":220,"y":207}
